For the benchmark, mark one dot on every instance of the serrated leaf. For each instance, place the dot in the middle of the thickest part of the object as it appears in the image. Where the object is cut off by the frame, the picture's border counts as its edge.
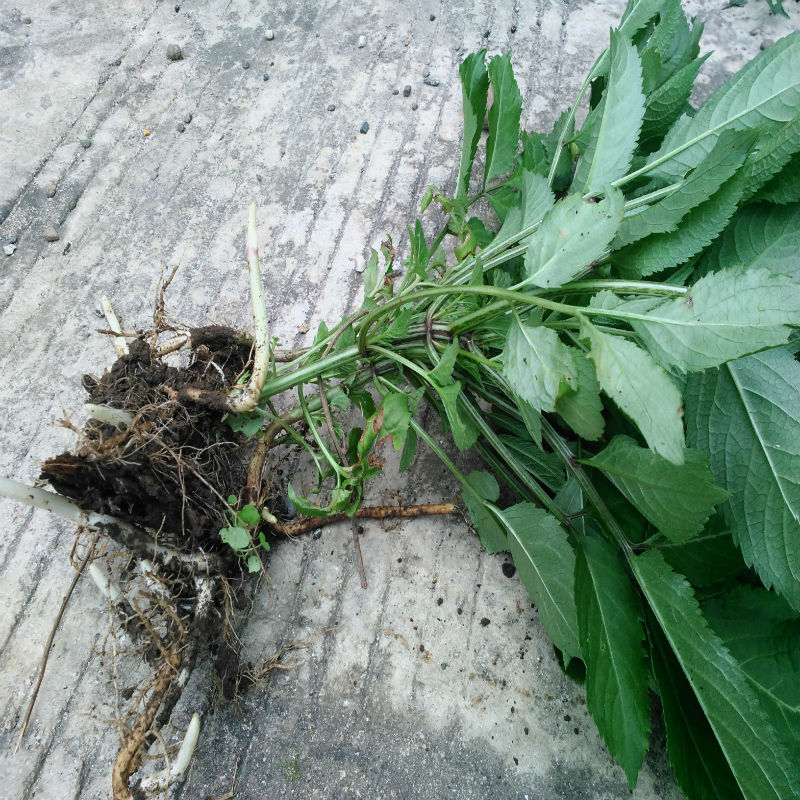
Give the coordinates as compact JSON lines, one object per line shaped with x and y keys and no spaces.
{"x":637,"y":14}
{"x":746,"y":415}
{"x":785,"y":186}
{"x":582,"y":408}
{"x":630,"y":377}
{"x":484,"y":488}
{"x":546,"y":565}
{"x":748,"y":741}
{"x":463,"y":431}
{"x":611,"y":639}
{"x":763,"y":95}
{"x":663,"y":251}
{"x":537,"y":365}
{"x":610,"y":150}
{"x":395,"y":418}
{"x":673,"y":39}
{"x":695,"y":755}
{"x":763,"y":634}
{"x":759,"y":236}
{"x":501,"y":146}
{"x":535,"y":200}
{"x":774,"y":156}
{"x":676,"y":499}
{"x":724,"y":316}
{"x":474,"y":91}
{"x":708,"y":558}
{"x":664,"y":215}
{"x":547,"y":467}
{"x":572,"y":235}
{"x":666,"y":103}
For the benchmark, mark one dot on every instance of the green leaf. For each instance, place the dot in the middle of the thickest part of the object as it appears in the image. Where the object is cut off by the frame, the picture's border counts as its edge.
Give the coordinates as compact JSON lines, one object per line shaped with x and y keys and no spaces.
{"x":582,"y":408}
{"x":537,"y":365}
{"x":785,"y":186}
{"x":664,"y":215}
{"x":663,"y":251}
{"x":694,"y":752}
{"x":546,"y":565}
{"x":747,"y":739}
{"x":641,"y":388}
{"x":535,"y":200}
{"x":463,"y":431}
{"x":708,"y":558}
{"x":759,"y":236}
{"x":610,"y":150}
{"x":772,"y":162}
{"x":484,"y":488}
{"x":236,"y":537}
{"x":253,"y":563}
{"x":395,"y":418}
{"x":638,"y":13}
{"x":666,"y":103}
{"x":611,"y":640}
{"x":547,"y":467}
{"x":409,"y":450}
{"x":573,"y":234}
{"x":763,"y":634}
{"x":673,"y":39}
{"x":474,"y":90}
{"x":417,"y":261}
{"x":501,"y":146}
{"x":676,"y":499}
{"x":746,"y":415}
{"x":724,"y":316}
{"x":249,"y":516}
{"x":763,"y":95}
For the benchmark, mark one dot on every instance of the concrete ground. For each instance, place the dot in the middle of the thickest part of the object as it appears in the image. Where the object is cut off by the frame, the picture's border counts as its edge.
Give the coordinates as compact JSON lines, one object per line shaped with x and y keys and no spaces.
{"x":436,"y":681}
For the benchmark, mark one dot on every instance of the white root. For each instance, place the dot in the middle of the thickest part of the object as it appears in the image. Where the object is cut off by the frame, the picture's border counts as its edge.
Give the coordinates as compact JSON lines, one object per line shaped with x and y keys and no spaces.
{"x":160,"y":781}
{"x":108,"y":415}
{"x":248,"y":399}
{"x":183,"y":341}
{"x":120,"y":345}
{"x":105,"y":583}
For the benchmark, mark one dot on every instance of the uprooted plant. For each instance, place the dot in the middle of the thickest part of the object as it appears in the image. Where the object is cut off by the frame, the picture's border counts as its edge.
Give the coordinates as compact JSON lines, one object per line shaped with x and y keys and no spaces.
{"x":615,"y":338}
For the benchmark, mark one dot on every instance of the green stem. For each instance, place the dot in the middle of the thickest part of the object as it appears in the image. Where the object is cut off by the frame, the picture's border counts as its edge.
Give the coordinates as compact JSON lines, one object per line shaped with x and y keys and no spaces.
{"x":620,"y":286}
{"x":308,"y":372}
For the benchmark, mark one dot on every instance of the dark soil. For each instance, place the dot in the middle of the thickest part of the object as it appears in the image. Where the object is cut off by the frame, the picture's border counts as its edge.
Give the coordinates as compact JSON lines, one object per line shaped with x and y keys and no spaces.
{"x":172,"y":468}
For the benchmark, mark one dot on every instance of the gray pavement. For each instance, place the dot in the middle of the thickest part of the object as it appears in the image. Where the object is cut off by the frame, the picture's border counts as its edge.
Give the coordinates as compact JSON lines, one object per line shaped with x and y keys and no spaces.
{"x":436,"y":681}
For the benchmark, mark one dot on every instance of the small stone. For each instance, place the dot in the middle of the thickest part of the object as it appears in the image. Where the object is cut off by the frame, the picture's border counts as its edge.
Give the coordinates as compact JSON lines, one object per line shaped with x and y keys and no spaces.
{"x":364,"y":127}
{"x":117,"y":62}
{"x":362,"y":40}
{"x":426,"y":72}
{"x":146,"y":132}
{"x":414,"y":106}
{"x":487,"y":34}
{"x":755,"y":32}
{"x":331,"y":107}
{"x":767,"y":43}
{"x":73,"y":203}
{"x":317,"y":534}
{"x":395,"y":91}
{"x":431,"y":81}
{"x":407,"y":90}
{"x":433,"y":17}
{"x":13,"y":239}
{"x":245,"y":64}
{"x":508,"y":569}
{"x":177,"y":8}
{"x":50,"y":234}
{"x":181,"y":127}
{"x":9,"y":249}
{"x":174,"y":52}
{"x":269,"y":34}
{"x":187,"y":118}
{"x":266,"y":77}
{"x":51,"y":190}
{"x":513,"y":29}
{"x":407,"y":42}
{"x":27,"y":20}
{"x":154,"y":175}
{"x":86,"y":143}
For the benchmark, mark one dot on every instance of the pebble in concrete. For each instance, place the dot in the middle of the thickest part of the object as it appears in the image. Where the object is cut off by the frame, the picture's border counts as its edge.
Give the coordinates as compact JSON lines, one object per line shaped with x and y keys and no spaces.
{"x":51,"y":190}
{"x":245,"y":64}
{"x":364,"y":127}
{"x":407,"y":90}
{"x":425,"y":73}
{"x":50,"y":234}
{"x":266,"y":76}
{"x":181,"y":127}
{"x":174,"y":52}
{"x":331,"y":107}
{"x":431,"y":81}
{"x":9,"y":249}
{"x":269,"y":34}
{"x":362,"y":40}
{"x":86,"y":143}
{"x":187,"y":118}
